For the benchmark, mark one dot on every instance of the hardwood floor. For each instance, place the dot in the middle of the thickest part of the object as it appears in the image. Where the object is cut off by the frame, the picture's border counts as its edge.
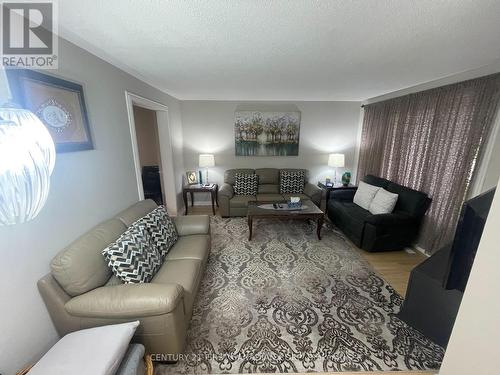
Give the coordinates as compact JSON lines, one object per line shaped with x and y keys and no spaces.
{"x":393,"y":266}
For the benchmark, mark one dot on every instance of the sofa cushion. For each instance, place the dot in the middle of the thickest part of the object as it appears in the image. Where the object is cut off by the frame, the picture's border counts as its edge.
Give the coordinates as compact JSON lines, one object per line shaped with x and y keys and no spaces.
{"x":268,"y":189}
{"x":358,"y":214}
{"x":193,"y":224}
{"x":133,"y":257}
{"x":245,"y":184}
{"x":185,"y":272}
{"x":136,"y":211}
{"x":191,"y":247}
{"x":292,"y":182}
{"x":365,"y":194}
{"x":413,"y":202}
{"x":161,"y":228}
{"x":383,"y":202}
{"x":376,"y":181}
{"x":268,"y":175}
{"x":80,"y":267}
{"x":270,"y":198}
{"x":126,"y":301}
{"x":230,"y":174}
{"x":241,"y":201}
{"x":349,"y":217}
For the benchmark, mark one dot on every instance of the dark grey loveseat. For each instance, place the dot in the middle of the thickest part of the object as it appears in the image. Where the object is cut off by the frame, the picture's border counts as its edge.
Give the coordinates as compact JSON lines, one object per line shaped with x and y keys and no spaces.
{"x":382,"y":232}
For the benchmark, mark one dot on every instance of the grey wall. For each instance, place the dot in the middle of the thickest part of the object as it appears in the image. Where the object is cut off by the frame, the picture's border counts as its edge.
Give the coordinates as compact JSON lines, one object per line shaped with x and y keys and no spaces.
{"x":87,"y":187}
{"x":326,"y":127}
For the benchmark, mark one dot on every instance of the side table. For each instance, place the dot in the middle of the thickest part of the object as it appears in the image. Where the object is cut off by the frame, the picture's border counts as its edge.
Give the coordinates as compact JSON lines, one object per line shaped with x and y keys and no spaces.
{"x":191,"y":189}
{"x":329,"y":189}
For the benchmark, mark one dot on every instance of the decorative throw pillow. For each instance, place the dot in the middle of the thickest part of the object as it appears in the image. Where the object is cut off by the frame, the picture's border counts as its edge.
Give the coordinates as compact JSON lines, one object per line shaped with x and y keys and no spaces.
{"x":161,"y":229}
{"x":132,"y":257}
{"x":383,"y":202}
{"x":365,"y":194}
{"x":292,"y":182}
{"x":245,"y":184}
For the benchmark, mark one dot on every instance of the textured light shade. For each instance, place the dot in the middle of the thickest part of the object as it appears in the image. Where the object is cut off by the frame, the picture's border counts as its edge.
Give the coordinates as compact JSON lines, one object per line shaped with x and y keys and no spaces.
{"x":206,"y":160}
{"x":27,"y":158}
{"x":336,"y":160}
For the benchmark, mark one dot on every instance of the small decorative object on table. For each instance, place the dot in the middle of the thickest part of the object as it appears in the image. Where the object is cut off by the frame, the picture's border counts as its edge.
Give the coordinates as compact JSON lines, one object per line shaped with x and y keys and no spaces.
{"x":346,"y":178}
{"x":294,"y":202}
{"x":192,"y":178}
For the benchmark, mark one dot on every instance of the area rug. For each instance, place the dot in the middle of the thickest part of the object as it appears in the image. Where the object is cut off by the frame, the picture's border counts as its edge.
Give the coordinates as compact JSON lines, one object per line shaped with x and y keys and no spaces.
{"x":287,"y":302}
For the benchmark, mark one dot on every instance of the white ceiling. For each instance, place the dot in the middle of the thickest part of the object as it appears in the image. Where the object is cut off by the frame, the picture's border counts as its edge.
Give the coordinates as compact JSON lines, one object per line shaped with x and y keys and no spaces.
{"x":286,"y":49}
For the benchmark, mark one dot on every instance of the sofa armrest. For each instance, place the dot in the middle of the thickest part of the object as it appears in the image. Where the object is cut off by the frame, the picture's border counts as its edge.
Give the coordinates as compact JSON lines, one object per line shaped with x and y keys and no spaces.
{"x":126,"y":301}
{"x":194,"y":224}
{"x":226,"y":191}
{"x":344,"y":195}
{"x":313,"y":192}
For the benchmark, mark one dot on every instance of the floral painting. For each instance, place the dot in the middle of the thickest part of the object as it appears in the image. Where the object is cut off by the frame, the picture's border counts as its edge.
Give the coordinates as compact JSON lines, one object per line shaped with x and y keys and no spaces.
{"x":267,"y":133}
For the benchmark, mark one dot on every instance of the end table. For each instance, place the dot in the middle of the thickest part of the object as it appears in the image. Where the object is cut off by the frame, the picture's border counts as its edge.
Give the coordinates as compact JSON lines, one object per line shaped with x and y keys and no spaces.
{"x":329,"y":189}
{"x":200,"y":188}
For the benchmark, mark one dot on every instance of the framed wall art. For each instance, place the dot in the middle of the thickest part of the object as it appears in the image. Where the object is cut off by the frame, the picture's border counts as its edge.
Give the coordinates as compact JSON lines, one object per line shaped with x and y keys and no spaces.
{"x":58,"y":103}
{"x":267,"y":133}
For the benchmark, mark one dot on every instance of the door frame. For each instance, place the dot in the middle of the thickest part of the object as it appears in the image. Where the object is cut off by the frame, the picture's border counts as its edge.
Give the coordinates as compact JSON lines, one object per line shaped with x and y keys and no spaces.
{"x":167,"y":173}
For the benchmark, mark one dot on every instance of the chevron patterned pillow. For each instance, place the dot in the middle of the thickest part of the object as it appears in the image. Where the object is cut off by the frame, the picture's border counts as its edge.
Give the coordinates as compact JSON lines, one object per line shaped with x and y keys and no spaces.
{"x":292,"y":182}
{"x":162,"y":230}
{"x":132,"y":257}
{"x":245,"y":184}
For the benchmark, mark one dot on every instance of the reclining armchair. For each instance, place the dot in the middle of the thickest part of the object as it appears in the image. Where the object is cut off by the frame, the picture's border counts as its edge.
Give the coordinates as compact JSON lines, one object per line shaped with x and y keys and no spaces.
{"x":383,"y":232}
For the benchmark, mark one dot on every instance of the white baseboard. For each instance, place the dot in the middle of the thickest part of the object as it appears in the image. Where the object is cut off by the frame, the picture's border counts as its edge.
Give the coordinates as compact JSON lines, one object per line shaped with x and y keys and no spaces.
{"x":202,"y":203}
{"x":420,"y":250}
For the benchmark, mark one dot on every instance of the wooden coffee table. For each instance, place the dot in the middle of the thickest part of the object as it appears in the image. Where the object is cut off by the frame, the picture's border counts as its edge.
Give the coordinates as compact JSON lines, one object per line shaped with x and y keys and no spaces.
{"x":310,"y":212}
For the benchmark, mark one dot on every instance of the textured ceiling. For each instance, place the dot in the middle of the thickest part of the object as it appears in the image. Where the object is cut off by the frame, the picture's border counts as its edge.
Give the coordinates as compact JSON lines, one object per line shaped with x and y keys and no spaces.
{"x":286,"y":49}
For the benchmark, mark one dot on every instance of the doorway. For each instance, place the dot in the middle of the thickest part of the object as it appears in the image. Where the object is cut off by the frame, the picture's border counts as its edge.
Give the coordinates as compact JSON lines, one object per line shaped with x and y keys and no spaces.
{"x":148,"y":146}
{"x":152,"y":151}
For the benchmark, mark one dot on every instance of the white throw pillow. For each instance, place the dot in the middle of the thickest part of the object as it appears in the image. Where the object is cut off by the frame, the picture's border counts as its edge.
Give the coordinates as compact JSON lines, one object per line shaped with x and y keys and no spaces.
{"x":96,"y":351}
{"x":383,"y":203}
{"x":365,"y":194}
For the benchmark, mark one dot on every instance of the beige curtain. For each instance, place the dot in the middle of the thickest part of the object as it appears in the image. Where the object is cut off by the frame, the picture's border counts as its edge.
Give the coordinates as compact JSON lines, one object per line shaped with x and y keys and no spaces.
{"x":431,"y":141}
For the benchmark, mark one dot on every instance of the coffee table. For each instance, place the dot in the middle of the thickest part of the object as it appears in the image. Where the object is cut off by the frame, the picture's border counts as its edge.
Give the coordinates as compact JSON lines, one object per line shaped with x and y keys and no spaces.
{"x":309,"y":211}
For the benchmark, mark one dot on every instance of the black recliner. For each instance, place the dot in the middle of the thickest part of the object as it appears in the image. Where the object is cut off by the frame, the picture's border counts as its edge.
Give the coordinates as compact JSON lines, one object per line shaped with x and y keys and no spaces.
{"x":384,"y":232}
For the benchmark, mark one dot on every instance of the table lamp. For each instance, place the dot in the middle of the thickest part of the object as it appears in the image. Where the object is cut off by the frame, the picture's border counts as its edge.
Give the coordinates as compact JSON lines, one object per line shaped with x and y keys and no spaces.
{"x":206,"y":161}
{"x":336,"y":161}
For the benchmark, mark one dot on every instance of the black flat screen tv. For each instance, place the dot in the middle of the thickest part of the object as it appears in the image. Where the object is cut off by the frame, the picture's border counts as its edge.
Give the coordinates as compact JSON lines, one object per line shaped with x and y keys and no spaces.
{"x":467,"y":236}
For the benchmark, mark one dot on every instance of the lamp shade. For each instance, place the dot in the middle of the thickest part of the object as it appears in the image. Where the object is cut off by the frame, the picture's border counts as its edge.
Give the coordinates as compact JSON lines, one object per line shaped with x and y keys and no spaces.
{"x":27,"y":156}
{"x":336,"y":160}
{"x":206,"y":160}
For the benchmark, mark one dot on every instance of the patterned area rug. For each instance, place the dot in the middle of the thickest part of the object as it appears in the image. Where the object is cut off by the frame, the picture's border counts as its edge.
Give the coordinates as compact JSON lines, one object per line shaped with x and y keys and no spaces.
{"x":286,"y":302}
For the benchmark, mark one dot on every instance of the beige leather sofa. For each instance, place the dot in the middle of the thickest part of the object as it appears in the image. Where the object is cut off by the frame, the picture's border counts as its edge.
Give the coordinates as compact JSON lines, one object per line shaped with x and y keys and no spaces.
{"x":268,"y":191}
{"x":81,"y":292}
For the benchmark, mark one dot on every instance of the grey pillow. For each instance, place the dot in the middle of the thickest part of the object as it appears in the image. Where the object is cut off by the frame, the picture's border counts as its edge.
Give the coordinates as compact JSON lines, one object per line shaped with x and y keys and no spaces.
{"x":365,"y":194}
{"x":383,"y":202}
